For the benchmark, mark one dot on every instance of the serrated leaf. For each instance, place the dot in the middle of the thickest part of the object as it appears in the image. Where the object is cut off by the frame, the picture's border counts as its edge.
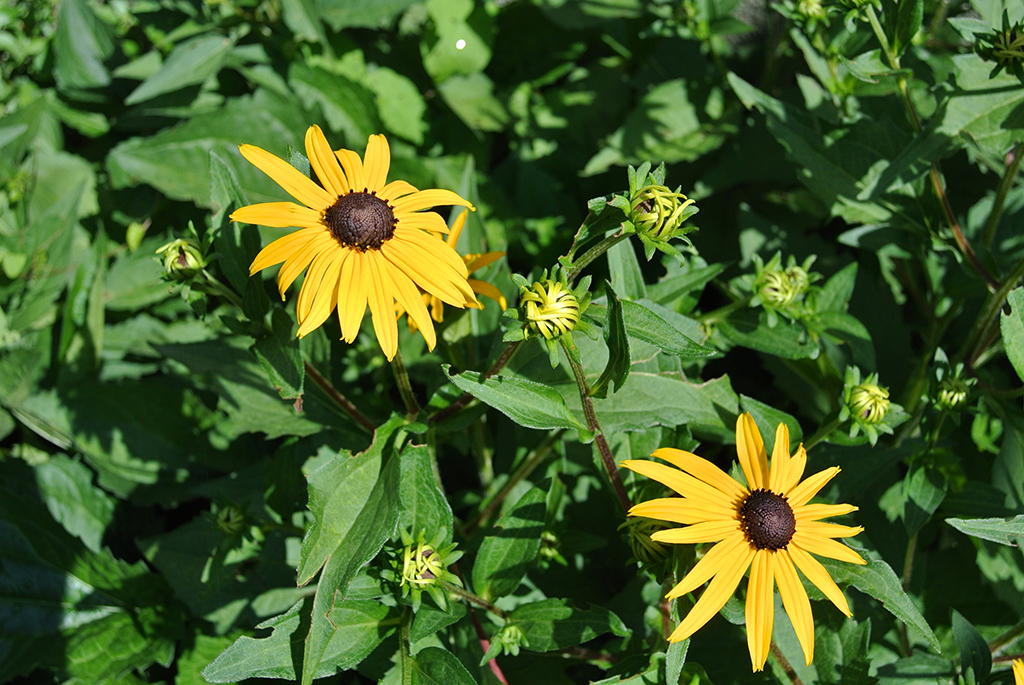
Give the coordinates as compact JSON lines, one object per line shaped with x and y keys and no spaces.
{"x":436,"y":666}
{"x":189,"y":64}
{"x":877,"y":579}
{"x":527,"y":403}
{"x":556,"y":624}
{"x":614,"y":330}
{"x":1011,"y":326}
{"x":506,"y":554}
{"x":82,"y":43}
{"x":1005,"y":531}
{"x":974,"y":652}
{"x":424,"y":507}
{"x":924,"y":488}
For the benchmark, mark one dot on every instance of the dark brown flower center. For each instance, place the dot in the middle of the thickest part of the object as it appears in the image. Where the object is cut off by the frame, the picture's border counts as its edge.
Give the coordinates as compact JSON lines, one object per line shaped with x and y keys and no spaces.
{"x":361,"y":221}
{"x":767,"y":520}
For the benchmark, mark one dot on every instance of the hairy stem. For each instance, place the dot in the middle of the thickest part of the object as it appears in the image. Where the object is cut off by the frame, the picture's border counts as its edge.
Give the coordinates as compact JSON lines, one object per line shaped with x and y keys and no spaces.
{"x":339,"y":399}
{"x":593,"y":253}
{"x":412,"y":407}
{"x":465,"y":398}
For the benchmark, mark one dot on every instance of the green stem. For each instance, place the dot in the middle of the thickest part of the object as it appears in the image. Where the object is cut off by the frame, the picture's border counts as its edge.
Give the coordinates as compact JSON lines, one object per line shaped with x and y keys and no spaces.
{"x":339,"y":399}
{"x":908,"y":561}
{"x":822,"y":432}
{"x":593,"y":253}
{"x":462,"y":593}
{"x":412,"y":407}
{"x":784,"y":663}
{"x":1005,"y":185}
{"x":218,"y":288}
{"x":465,"y":398}
{"x":406,"y":647}
{"x":602,"y":445}
{"x":989,"y":311}
{"x":1006,"y":638}
{"x":716,"y":315}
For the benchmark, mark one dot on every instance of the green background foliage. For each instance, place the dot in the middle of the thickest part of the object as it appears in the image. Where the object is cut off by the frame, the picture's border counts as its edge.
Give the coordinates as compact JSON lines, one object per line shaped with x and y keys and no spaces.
{"x":183,"y":499}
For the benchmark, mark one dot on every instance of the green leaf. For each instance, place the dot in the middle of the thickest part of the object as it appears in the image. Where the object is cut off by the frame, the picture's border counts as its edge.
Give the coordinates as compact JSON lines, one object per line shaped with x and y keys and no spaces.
{"x":399,"y":102}
{"x":837,"y":291}
{"x":1005,"y":531}
{"x":974,"y":652}
{"x":924,"y":488}
{"x":340,"y":14}
{"x":617,"y":369}
{"x":348,"y":106}
{"x":679,"y":283}
{"x":1012,"y":328}
{"x":529,"y":404}
{"x":877,"y":579}
{"x":436,"y":666}
{"x":555,"y":624}
{"x":67,"y":489}
{"x":768,"y":419}
{"x":909,"y":14}
{"x":82,"y":44}
{"x":505,"y":555}
{"x":84,"y":615}
{"x":189,"y":64}
{"x":472,"y":99}
{"x":460,"y":42}
{"x":659,"y":326}
{"x":784,"y":339}
{"x":624,"y":269}
{"x":424,"y":507}
{"x":358,"y":627}
{"x":278,"y":354}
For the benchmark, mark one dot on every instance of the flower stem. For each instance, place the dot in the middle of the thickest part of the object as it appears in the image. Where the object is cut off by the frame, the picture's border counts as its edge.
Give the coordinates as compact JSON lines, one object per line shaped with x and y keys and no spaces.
{"x":602,"y":445}
{"x":218,"y":288}
{"x":465,"y":398}
{"x":462,"y":593}
{"x":790,"y":673}
{"x":989,"y":311}
{"x":406,"y":647}
{"x":822,"y":432}
{"x":593,"y":253}
{"x":412,"y":407}
{"x":1006,"y":638}
{"x":1005,"y":184}
{"x":339,"y":399}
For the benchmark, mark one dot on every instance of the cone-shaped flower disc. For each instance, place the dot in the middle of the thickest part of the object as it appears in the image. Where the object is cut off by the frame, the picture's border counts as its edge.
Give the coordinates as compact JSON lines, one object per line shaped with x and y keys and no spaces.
{"x":767,"y":526}
{"x":362,"y":242}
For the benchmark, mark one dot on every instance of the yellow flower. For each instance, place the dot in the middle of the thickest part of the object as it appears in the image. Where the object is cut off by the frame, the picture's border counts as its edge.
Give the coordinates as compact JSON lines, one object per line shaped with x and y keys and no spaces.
{"x":473,"y":263}
{"x":1018,"y":672}
{"x":361,"y":241}
{"x":767,"y":526}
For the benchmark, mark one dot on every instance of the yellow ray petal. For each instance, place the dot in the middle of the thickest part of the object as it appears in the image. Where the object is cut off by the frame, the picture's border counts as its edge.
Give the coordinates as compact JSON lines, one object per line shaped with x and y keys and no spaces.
{"x":326,"y":295}
{"x":797,"y":464}
{"x":301,"y":258}
{"x":424,"y":221}
{"x":704,"y":470}
{"x":441,"y":252}
{"x":796,"y":603}
{"x":351,"y":296}
{"x":680,"y":481}
{"x":816,"y":512}
{"x":817,"y":574}
{"x":283,"y":248}
{"x":1018,"y":672}
{"x":376,"y":162}
{"x":382,"y":306}
{"x":277,"y":215}
{"x":408,"y":297}
{"x":425,"y":199}
{"x":778,"y":473}
{"x":487,"y":290}
{"x":288,"y":177}
{"x":456,"y":229}
{"x":717,"y":558}
{"x":682,"y":510}
{"x":704,"y":531}
{"x":325,"y":164}
{"x":802,"y":494}
{"x":417,"y":260}
{"x":823,"y":529}
{"x":760,"y":607}
{"x":826,"y":547}
{"x":750,"y":450}
{"x":353,"y":167}
{"x":480,"y":261}
{"x":718,"y":592}
{"x":396,"y":189}
{"x":311,"y":286}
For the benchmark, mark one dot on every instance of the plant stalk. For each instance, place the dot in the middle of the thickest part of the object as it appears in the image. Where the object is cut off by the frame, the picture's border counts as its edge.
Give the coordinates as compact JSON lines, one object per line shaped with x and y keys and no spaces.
{"x":340,"y":399}
{"x":412,"y":407}
{"x":1005,"y":185}
{"x":465,"y":398}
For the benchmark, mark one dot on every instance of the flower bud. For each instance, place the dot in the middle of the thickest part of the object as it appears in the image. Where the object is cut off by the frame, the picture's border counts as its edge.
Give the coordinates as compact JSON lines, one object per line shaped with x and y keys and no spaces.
{"x":868,"y":403}
{"x":776,"y":288}
{"x":1005,"y":48}
{"x":231,"y":519}
{"x":952,"y":392}
{"x":657,"y":211}
{"x":550,"y":308}
{"x":182,"y":259}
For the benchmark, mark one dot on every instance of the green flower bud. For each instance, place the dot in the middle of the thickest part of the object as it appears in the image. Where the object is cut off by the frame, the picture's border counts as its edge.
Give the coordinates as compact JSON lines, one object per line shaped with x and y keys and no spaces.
{"x":868,"y":403}
{"x":645,"y":550}
{"x":1005,"y":48}
{"x":231,"y":519}
{"x":811,"y":9}
{"x":776,"y":288}
{"x":423,"y":567}
{"x":657,"y":211}
{"x":182,"y":259}
{"x":550,"y":308}
{"x":952,"y":392}
{"x":510,"y":638}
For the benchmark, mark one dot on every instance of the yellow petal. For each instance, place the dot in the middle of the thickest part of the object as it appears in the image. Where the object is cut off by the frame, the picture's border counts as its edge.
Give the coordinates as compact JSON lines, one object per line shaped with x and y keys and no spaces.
{"x":488,"y":290}
{"x":816,"y":512}
{"x":704,"y":531}
{"x":376,"y":162}
{"x":704,"y":470}
{"x":283,"y":248}
{"x":717,"y":558}
{"x":682,"y":510}
{"x":817,"y":574}
{"x":277,"y":215}
{"x":778,"y":473}
{"x":456,"y":229}
{"x":382,"y":306}
{"x":301,"y":258}
{"x":410,"y":300}
{"x":425,"y":199}
{"x":797,"y":464}
{"x":424,"y":221}
{"x":325,"y":296}
{"x":827,"y":547}
{"x":418,"y":259}
{"x":325,"y":164}
{"x":480,"y":261}
{"x":680,"y":481}
{"x":353,"y":167}
{"x":760,"y":607}
{"x":794,"y":599}
{"x":438,"y":251}
{"x":396,"y":189}
{"x":351,"y":296}
{"x":311,"y":286}
{"x":718,"y":592}
{"x":802,"y":494}
{"x":750,"y":450}
{"x":288,"y":177}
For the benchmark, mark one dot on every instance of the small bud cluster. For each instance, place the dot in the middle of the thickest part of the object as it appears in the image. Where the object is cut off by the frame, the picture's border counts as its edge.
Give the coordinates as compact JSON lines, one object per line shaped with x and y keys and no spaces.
{"x":866,"y":404}
{"x":549,"y":309}
{"x":1004,"y":47}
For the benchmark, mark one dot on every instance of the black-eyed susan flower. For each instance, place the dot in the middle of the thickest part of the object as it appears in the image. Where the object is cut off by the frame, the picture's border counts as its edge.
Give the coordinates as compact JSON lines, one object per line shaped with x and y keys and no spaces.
{"x":767,"y":525}
{"x":361,"y":241}
{"x":1018,"y":672}
{"x":473,"y":262}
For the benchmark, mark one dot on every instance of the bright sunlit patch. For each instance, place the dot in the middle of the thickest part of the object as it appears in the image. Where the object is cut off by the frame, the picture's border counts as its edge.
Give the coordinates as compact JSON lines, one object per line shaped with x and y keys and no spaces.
{"x":459,"y":44}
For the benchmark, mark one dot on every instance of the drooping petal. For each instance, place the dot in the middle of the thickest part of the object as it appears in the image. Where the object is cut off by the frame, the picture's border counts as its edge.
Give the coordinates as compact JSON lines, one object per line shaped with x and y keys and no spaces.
{"x":283,"y":248}
{"x":750,"y":450}
{"x":680,"y":481}
{"x":683,"y":510}
{"x":796,"y":603}
{"x":288,"y":177}
{"x":488,"y":290}
{"x":326,"y":295}
{"x":382,"y":306}
{"x":351,"y":296}
{"x":480,"y":261}
{"x":717,"y":593}
{"x":456,"y":229}
{"x":325,"y":164}
{"x":376,"y":162}
{"x":425,"y":199}
{"x":277,"y":215}
{"x":802,"y":494}
{"x":717,"y":558}
{"x":816,"y":573}
{"x":704,"y":470}
{"x":409,"y":298}
{"x":441,"y":252}
{"x":301,"y":258}
{"x":827,"y":547}
{"x":413,"y":257}
{"x":705,"y":531}
{"x":760,"y":607}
